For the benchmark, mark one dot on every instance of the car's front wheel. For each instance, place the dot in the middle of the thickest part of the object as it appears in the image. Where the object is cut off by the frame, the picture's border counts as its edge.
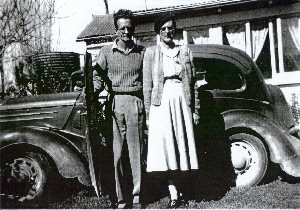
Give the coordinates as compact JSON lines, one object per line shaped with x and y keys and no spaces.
{"x":249,"y":158}
{"x":24,"y":175}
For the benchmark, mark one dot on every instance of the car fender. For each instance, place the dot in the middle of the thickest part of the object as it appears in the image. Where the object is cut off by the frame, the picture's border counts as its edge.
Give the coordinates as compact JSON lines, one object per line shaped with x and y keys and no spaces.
{"x":69,"y":161}
{"x":284,"y":149}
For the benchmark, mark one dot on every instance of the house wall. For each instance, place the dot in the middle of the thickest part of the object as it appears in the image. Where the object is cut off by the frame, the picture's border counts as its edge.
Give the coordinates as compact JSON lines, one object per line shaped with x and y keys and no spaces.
{"x":270,"y":35}
{"x":263,"y":33}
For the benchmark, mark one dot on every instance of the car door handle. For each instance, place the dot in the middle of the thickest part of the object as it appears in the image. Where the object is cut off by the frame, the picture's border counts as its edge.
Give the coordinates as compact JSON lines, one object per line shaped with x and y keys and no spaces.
{"x":82,"y":113}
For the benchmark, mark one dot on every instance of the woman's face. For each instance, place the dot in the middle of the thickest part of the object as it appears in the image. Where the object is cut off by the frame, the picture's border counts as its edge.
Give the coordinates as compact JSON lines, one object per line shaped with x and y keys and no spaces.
{"x":167,"y":32}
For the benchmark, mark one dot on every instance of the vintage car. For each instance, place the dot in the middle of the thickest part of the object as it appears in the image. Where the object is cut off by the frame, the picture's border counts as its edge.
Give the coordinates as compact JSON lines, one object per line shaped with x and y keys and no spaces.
{"x":45,"y":135}
{"x":257,"y":117}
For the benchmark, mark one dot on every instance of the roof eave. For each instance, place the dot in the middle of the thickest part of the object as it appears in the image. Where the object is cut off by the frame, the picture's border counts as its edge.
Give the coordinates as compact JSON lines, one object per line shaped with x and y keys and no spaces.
{"x":95,"y":37}
{"x":203,"y":5}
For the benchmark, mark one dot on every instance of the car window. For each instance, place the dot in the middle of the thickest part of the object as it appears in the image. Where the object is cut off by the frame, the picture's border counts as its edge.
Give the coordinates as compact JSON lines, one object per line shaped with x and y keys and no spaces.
{"x":218,"y":74}
{"x":77,"y":81}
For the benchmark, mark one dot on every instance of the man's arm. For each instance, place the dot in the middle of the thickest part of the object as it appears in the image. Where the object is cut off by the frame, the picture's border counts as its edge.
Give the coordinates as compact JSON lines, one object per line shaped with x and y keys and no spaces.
{"x":99,"y":69}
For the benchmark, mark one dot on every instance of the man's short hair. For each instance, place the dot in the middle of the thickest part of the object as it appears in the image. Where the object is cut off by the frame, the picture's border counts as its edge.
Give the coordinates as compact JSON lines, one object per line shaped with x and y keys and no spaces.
{"x":123,"y":13}
{"x":161,"y":20}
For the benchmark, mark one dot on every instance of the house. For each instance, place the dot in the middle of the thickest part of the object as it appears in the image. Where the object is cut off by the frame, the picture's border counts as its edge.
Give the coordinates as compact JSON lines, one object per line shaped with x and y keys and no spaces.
{"x":268,"y":31}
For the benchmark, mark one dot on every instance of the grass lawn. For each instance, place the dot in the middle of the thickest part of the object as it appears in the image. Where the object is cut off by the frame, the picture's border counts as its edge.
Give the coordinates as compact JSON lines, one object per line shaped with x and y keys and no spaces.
{"x":277,"y":194}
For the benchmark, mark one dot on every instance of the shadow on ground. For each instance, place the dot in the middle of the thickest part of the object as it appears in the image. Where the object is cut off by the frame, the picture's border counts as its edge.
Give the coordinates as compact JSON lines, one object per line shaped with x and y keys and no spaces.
{"x":59,"y":191}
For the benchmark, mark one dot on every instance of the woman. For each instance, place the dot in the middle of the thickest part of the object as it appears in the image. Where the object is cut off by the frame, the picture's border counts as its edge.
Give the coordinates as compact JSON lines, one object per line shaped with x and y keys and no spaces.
{"x":168,"y":83}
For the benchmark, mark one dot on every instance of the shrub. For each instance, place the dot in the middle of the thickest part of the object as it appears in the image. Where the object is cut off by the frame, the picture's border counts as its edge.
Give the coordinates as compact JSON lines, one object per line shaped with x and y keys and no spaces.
{"x":295,"y":106}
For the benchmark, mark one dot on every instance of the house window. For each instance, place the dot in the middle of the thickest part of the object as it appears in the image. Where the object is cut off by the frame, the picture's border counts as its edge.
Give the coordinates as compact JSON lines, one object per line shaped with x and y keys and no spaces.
{"x":291,"y":43}
{"x":205,"y":35}
{"x":178,"y":38}
{"x":235,"y":36}
{"x":260,"y":43}
{"x":273,"y":43}
{"x":259,"y":32}
{"x":263,"y":60}
{"x":146,"y":40}
{"x":218,"y":73}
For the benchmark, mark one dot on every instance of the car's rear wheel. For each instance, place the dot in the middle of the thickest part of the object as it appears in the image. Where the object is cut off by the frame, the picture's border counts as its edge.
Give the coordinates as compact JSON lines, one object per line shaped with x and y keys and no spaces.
{"x":24,"y":175}
{"x":249,"y":159}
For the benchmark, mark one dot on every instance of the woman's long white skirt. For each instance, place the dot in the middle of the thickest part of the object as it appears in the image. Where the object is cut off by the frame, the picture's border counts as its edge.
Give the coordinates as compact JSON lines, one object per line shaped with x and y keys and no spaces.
{"x":171,"y":143}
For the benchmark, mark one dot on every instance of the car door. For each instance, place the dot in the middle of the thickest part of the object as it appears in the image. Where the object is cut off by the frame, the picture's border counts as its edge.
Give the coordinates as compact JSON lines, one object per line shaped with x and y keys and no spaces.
{"x":92,"y":133}
{"x":231,"y":77}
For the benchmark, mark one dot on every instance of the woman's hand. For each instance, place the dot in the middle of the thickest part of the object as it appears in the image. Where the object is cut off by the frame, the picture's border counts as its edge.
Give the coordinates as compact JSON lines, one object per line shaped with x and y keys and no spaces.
{"x":196,"y":118}
{"x":295,"y":130}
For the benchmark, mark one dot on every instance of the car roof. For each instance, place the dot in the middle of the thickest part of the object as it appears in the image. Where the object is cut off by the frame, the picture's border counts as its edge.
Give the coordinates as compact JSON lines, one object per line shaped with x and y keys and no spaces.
{"x":255,"y":84}
{"x":230,"y":54}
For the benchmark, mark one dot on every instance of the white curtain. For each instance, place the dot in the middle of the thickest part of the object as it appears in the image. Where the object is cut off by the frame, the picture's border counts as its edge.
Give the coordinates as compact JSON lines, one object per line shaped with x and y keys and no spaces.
{"x":146,"y":41}
{"x":291,"y":43}
{"x":259,"y":34}
{"x":294,"y":29}
{"x":236,"y":36}
{"x":200,"y":36}
{"x":211,"y":35}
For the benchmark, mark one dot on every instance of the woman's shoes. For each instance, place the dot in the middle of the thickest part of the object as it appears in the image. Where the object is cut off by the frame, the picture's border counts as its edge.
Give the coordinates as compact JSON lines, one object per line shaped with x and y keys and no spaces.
{"x":177,"y":203}
{"x":173,"y":204}
{"x":184,"y":201}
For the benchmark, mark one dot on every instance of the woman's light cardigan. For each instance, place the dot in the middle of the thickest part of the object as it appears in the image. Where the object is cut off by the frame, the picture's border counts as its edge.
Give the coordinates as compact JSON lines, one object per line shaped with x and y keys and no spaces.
{"x":153,"y":77}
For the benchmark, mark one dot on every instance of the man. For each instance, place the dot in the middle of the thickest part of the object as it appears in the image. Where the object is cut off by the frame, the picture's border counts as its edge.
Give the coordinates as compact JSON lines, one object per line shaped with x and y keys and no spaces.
{"x":120,"y":64}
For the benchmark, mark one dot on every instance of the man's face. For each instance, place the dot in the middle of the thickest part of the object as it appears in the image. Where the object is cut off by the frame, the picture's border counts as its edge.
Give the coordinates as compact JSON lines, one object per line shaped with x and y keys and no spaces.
{"x":167,"y":32}
{"x":125,"y":29}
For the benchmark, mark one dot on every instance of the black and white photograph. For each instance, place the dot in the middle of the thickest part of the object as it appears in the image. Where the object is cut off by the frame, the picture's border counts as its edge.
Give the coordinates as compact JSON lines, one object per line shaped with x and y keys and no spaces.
{"x":150,"y":104}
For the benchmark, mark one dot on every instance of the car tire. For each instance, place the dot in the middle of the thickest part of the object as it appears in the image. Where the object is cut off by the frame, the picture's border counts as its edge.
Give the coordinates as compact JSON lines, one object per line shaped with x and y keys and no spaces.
{"x":249,"y":158}
{"x":24,"y":176}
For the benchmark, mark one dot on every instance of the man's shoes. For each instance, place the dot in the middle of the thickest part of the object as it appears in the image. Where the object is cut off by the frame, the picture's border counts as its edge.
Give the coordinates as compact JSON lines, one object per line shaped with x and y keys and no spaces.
{"x":173,"y":204}
{"x":137,"y":206}
{"x":122,"y":205}
{"x":113,"y":205}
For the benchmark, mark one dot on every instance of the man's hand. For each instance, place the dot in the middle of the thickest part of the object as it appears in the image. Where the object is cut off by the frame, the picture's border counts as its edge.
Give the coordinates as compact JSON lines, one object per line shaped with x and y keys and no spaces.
{"x":196,"y":118}
{"x":98,"y":83}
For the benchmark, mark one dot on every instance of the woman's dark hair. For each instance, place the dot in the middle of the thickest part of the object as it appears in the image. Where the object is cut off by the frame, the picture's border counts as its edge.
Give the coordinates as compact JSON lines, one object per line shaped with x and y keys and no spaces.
{"x":123,"y":13}
{"x":160,"y":21}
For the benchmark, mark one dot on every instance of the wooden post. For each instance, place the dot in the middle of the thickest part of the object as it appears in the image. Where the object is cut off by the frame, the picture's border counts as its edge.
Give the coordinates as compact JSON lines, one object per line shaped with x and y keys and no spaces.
{"x":272,"y":49}
{"x":280,"y":48}
{"x":185,"y":37}
{"x":157,"y":39}
{"x":215,"y":35}
{"x":248,"y":39}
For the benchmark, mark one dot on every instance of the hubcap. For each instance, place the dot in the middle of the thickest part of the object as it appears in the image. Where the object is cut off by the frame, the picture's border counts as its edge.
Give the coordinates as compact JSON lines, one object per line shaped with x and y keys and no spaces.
{"x":21,"y":178}
{"x":245,"y":161}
